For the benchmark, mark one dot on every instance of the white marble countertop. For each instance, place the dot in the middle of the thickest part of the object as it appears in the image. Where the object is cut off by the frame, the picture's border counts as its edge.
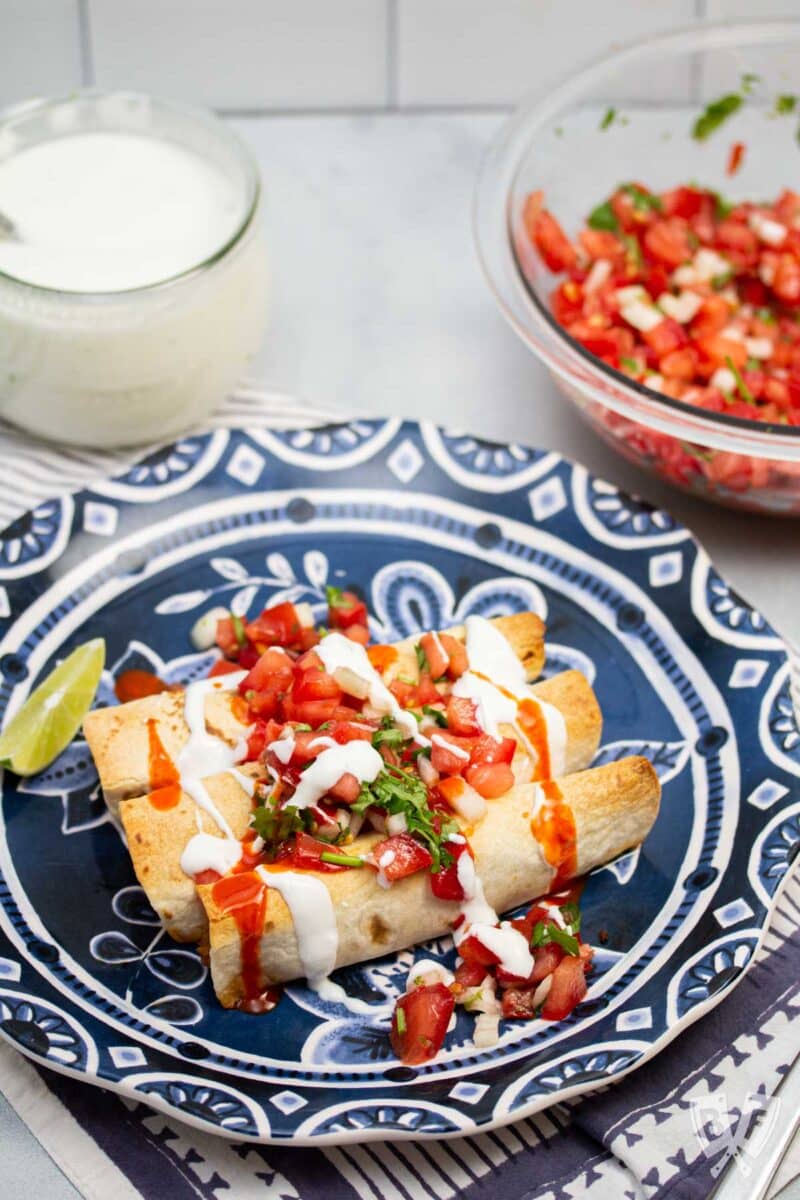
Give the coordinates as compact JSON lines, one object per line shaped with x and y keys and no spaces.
{"x":379,"y":305}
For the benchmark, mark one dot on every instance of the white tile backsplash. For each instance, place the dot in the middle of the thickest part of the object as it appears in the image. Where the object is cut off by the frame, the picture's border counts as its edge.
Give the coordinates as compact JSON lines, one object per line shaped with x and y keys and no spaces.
{"x":472,"y":52}
{"x":39,"y":48}
{"x":244,"y":54}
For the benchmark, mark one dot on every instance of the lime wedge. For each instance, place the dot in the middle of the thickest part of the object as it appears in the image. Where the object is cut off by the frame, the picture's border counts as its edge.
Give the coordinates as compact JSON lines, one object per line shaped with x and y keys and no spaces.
{"x":52,"y":714}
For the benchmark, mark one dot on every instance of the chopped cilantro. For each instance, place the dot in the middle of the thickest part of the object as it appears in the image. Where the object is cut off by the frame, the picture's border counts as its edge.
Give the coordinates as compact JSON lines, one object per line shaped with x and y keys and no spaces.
{"x":388,"y":735}
{"x":741,"y":386}
{"x":400,"y":1019}
{"x":722,"y":207}
{"x":722,"y":280}
{"x":749,"y":79}
{"x":715,"y":114}
{"x":546,"y":931}
{"x":397,"y":791}
{"x":603,"y":217}
{"x":609,"y":117}
{"x":766,"y":315}
{"x":572,"y":915}
{"x":785,"y":103}
{"x":633,"y":248}
{"x":642,"y":201}
{"x":275,"y":824}
{"x":238,"y":629}
{"x":422,"y":659}
{"x":753,"y":364}
{"x":631,"y":364}
{"x":308,"y":728}
{"x":436,"y":715}
{"x":336,"y":598}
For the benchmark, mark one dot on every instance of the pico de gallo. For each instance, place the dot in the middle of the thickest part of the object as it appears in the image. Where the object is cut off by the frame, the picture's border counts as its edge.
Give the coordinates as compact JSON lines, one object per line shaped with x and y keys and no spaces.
{"x":434,"y":763}
{"x":693,"y":296}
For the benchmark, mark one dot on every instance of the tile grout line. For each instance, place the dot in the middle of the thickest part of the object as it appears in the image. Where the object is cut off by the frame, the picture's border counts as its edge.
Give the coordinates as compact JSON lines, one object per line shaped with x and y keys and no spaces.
{"x":391,"y":53}
{"x":85,"y":43}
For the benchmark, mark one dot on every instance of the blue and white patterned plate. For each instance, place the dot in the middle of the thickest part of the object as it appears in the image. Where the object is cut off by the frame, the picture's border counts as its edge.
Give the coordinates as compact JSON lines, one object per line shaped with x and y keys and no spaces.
{"x":432,"y":525}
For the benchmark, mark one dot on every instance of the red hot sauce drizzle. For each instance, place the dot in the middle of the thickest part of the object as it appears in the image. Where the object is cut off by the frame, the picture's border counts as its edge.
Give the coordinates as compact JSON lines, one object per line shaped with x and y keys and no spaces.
{"x":532,"y":723}
{"x":165,"y":780}
{"x":553,"y":826}
{"x":243,"y":896}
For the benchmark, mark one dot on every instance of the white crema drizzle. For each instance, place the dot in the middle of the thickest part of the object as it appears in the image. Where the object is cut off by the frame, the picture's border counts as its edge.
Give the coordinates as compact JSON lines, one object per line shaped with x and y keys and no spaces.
{"x":494,"y":665}
{"x":481,"y":921}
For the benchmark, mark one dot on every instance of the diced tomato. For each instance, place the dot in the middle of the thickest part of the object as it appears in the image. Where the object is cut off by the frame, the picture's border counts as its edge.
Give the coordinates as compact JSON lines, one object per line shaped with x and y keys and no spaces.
{"x":683,"y":202}
{"x":276,"y":626}
{"x":786,"y":284}
{"x":347,"y":790}
{"x":347,"y":610}
{"x":426,"y":691}
{"x":679,"y":364}
{"x":305,"y":852}
{"x":418,"y":1035}
{"x":404,"y":693}
{"x":310,"y":712}
{"x":554,"y":246}
{"x":208,"y":876}
{"x":567,"y":989}
{"x":490,"y":780}
{"x":467,"y":975}
{"x":532,"y":917}
{"x":489,"y":749}
{"x":732,"y":235}
{"x":409,"y":856}
{"x":272,"y":673}
{"x":358,"y":633}
{"x":344,"y":731}
{"x":567,"y":301}
{"x":435,"y":653}
{"x":518,"y":1003}
{"x":223,"y":666}
{"x":456,"y":652}
{"x":716,"y":350}
{"x":665,"y":337}
{"x":473,"y":951}
{"x":450,"y":755}
{"x":462,"y":717}
{"x":668,"y":241}
{"x":656,"y":280}
{"x":256,"y":741}
{"x":445,"y":883}
{"x":545,"y":960}
{"x":735,"y":158}
{"x":226,"y":637}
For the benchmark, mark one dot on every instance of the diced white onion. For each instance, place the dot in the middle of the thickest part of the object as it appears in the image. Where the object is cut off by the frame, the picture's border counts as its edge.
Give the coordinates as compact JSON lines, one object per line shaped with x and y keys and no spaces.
{"x":304,"y":615}
{"x":766,"y":273}
{"x":427,"y":771}
{"x":767,"y":230}
{"x":542,"y":991}
{"x":356,"y":821}
{"x":708,"y":264}
{"x":634,"y":291}
{"x":685,"y":276}
{"x":597,"y":276}
{"x":732,"y":333}
{"x":487,"y":1031}
{"x":344,"y":818}
{"x":469,"y":804}
{"x":351,"y":683}
{"x":426,"y":973}
{"x":723,"y":379}
{"x":654,"y":380}
{"x":377,"y":820}
{"x":483,"y":998}
{"x":641,"y":315}
{"x":204,"y":630}
{"x":396,"y":823}
{"x":759,"y":347}
{"x":681,"y":308}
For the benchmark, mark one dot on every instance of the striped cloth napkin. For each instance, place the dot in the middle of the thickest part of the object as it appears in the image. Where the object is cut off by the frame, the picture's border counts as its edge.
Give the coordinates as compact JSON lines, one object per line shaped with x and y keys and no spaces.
{"x":634,"y":1140}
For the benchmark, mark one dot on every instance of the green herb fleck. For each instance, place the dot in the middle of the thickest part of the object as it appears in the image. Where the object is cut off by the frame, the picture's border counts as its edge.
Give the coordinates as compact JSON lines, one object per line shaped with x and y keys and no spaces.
{"x":715,"y":115}
{"x":275,"y":824}
{"x":631,"y":364}
{"x":609,"y":117}
{"x":308,"y":728}
{"x":336,"y":598}
{"x":722,"y":207}
{"x":341,"y":860}
{"x":753,"y":364}
{"x":766,"y":315}
{"x":571,"y":914}
{"x":238,"y":629}
{"x":400,"y":1020}
{"x":388,"y":735}
{"x":436,"y":715}
{"x":603,"y":217}
{"x":642,"y":201}
{"x":722,"y":280}
{"x":749,"y":79}
{"x":742,"y":388}
{"x":559,"y":131}
{"x":397,"y":791}
{"x":633,"y":248}
{"x":422,"y":659}
{"x":547,"y":931}
{"x":784,"y":104}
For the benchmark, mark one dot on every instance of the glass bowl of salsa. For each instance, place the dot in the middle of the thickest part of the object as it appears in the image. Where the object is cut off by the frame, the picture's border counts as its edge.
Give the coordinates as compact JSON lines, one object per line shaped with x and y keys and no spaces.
{"x":640,"y":228}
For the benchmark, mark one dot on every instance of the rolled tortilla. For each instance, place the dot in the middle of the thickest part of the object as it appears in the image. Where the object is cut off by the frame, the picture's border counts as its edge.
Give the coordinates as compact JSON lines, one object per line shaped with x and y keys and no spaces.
{"x":613,"y":808}
{"x":157,"y":836}
{"x":118,"y":737}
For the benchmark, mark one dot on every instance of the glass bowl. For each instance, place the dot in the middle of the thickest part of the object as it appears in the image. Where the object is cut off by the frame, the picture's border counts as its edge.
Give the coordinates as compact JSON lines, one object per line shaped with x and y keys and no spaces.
{"x":630,"y":117}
